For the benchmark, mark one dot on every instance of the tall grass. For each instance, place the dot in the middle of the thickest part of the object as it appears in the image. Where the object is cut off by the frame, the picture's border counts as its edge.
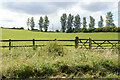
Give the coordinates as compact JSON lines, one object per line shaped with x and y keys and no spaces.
{"x":55,"y":61}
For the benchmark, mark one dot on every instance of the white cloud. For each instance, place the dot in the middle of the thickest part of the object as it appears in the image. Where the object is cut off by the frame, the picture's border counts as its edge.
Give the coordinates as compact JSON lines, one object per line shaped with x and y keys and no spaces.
{"x":9,"y":18}
{"x":88,"y":1}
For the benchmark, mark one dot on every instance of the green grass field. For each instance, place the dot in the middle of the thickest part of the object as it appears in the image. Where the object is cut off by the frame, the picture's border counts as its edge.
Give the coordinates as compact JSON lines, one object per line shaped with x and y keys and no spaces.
{"x":25,"y":34}
{"x":54,"y":61}
{"x":29,"y":35}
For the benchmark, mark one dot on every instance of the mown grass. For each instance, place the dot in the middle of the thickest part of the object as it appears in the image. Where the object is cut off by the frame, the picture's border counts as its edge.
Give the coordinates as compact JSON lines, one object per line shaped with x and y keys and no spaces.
{"x":25,"y":34}
{"x":29,"y":35}
{"x":55,"y":61}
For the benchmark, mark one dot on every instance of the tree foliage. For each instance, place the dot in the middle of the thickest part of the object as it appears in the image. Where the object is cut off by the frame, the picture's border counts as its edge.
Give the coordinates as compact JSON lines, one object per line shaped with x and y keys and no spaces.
{"x":77,"y":22}
{"x":32,"y":24}
{"x":84,"y":22}
{"x":41,"y":24}
{"x":92,"y":22}
{"x":84,"y":29}
{"x":63,"y":22}
{"x":28,"y":23}
{"x":73,"y":24}
{"x":70,"y":23}
{"x":100,"y":23}
{"x":46,"y":23}
{"x":109,"y":19}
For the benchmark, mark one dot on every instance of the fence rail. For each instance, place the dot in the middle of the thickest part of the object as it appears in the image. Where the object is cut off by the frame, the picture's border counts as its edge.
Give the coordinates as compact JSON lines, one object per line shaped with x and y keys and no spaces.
{"x":32,"y":40}
{"x":81,"y":43}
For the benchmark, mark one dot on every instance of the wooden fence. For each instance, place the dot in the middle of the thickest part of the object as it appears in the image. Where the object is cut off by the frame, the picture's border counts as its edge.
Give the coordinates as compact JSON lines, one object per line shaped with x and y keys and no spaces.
{"x":81,"y":43}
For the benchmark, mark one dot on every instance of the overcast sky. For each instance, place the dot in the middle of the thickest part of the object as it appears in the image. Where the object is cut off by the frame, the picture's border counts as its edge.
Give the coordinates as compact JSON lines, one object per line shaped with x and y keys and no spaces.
{"x":15,"y":14}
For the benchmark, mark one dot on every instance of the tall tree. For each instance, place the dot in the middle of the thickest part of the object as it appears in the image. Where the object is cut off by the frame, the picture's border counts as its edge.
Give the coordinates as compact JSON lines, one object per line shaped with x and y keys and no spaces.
{"x":70,"y":23}
{"x":100,"y":23}
{"x":77,"y":22}
{"x":46,"y":23}
{"x":92,"y":22}
{"x":40,"y":23}
{"x":32,"y":23}
{"x":84,"y":22}
{"x":109,"y":19}
{"x":28,"y":23}
{"x":63,"y":22}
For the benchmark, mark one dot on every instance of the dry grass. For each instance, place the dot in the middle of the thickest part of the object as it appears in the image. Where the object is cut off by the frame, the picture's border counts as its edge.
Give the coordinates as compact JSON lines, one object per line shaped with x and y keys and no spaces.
{"x":59,"y":62}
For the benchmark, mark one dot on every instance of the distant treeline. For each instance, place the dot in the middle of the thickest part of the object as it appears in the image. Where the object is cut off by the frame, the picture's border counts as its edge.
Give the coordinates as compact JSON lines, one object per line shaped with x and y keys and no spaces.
{"x":74,"y":24}
{"x":85,"y":30}
{"x":101,"y":29}
{"x":21,"y":28}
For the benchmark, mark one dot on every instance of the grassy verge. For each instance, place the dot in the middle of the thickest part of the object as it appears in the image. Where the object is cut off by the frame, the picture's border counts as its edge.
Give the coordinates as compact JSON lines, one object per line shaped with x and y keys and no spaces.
{"x":55,"y":61}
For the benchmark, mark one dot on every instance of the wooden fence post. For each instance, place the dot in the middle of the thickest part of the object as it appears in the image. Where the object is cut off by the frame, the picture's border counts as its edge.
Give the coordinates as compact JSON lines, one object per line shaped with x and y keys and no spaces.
{"x":55,"y":39}
{"x":76,"y":42}
{"x":33,"y":44}
{"x":90,"y":43}
{"x":9,"y":44}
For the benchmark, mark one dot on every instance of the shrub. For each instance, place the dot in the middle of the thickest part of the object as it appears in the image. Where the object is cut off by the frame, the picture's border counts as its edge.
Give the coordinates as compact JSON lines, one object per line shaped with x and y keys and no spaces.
{"x":113,"y":28}
{"x":57,"y":30}
{"x":80,"y":30}
{"x":99,"y":29}
{"x":84,"y":29}
{"x":107,"y":29}
{"x":75,"y":31}
{"x":117,"y":29}
{"x":54,"y":49}
{"x":36,"y":30}
{"x":1,"y":27}
{"x":90,"y":30}
{"x":21,"y":28}
{"x":69,"y":31}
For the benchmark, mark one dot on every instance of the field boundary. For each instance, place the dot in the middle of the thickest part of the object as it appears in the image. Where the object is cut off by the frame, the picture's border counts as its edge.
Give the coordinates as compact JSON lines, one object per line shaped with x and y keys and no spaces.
{"x":81,"y":43}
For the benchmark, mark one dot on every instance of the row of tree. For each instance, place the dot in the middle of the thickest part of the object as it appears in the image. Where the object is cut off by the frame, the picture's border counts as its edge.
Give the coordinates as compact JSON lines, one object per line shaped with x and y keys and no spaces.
{"x":70,"y":23}
{"x":101,"y":29}
{"x":43,"y":23}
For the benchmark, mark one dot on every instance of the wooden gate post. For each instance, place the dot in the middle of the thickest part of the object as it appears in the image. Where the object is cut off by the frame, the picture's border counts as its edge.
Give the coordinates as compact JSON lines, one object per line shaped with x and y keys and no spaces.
{"x":9,"y":44}
{"x":76,"y":42}
{"x":90,"y":43}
